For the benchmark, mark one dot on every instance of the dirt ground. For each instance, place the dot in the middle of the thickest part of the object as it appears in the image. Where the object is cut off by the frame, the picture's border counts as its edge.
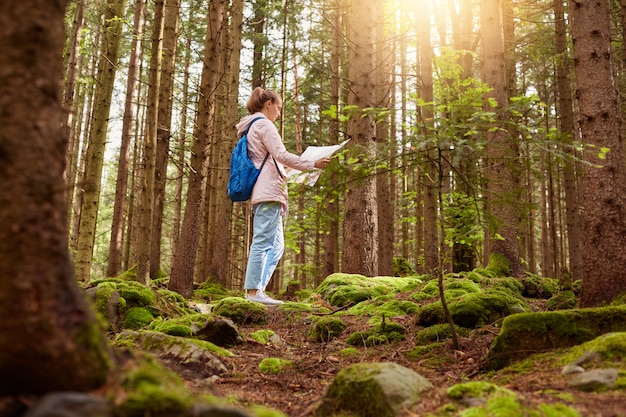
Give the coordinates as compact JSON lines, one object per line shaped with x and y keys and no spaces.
{"x":296,"y":391}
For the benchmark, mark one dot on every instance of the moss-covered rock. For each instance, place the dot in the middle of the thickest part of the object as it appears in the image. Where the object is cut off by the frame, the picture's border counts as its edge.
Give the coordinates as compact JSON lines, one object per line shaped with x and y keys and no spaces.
{"x":212,"y":292}
{"x":498,"y":401}
{"x":241,"y":311}
{"x":152,"y":390}
{"x":564,"y":300}
{"x":326,"y":328}
{"x":472,"y":310}
{"x":539,"y":287}
{"x":137,"y":318}
{"x":527,"y":333}
{"x":383,"y":333}
{"x":383,"y":307}
{"x":342,"y":289}
{"x":372,"y":389}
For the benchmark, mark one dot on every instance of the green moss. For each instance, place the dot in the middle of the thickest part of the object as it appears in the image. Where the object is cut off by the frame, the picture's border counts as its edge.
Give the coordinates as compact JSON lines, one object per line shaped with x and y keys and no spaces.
{"x":471,"y":310}
{"x":385,"y":332}
{"x":170,"y":328}
{"x":341,"y":289}
{"x":499,"y":265}
{"x":564,"y":300}
{"x":384,"y":307}
{"x":241,"y":311}
{"x":275,"y":365}
{"x":402,"y":268}
{"x":608,"y":349}
{"x":512,"y":286}
{"x":152,"y":390}
{"x":476,"y":389}
{"x":326,"y":328}
{"x":527,"y":333}
{"x":137,"y":318}
{"x":212,"y":292}
{"x":419,"y":352}
{"x":351,"y":351}
{"x":262,"y":336}
{"x":263,"y":411}
{"x":439,"y":332}
{"x":539,"y":287}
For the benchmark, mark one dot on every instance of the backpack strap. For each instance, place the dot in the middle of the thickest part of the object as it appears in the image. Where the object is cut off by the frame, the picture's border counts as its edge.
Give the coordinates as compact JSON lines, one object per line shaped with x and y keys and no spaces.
{"x":268,"y":154}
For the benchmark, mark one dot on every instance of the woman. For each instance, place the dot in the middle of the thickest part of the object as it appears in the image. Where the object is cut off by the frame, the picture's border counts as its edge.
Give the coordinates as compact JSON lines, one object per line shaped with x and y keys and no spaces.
{"x":269,"y":195}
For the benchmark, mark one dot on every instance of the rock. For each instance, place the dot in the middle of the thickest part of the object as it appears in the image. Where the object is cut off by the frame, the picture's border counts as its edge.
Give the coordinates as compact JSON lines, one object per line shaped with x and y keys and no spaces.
{"x":372,"y":389}
{"x":524,"y":334}
{"x":221,"y":331}
{"x":595,"y":379}
{"x":70,"y":404}
{"x":571,"y":368}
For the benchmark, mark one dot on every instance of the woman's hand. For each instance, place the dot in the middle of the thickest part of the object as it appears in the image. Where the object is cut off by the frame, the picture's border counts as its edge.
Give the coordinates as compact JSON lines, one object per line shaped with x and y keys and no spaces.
{"x":321,"y":163}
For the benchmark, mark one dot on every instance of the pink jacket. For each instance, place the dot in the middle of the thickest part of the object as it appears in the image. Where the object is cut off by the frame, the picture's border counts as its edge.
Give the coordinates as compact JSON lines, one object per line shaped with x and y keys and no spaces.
{"x":263,"y":137}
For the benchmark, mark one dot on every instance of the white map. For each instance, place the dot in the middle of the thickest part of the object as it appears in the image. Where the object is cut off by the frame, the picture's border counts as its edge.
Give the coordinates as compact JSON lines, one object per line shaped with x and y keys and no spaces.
{"x":313,"y":153}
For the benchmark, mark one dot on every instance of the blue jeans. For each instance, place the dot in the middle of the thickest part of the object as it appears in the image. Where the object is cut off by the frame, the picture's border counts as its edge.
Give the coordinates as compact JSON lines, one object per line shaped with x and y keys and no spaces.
{"x":267,"y":246}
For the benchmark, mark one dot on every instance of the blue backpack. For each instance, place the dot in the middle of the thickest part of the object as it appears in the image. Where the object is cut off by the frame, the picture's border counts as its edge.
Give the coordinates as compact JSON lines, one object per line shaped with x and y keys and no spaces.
{"x":243,"y":173}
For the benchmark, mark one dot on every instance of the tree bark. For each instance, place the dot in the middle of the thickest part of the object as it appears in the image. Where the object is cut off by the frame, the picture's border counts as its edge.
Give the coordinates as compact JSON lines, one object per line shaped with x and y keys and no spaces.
{"x":181,"y":278}
{"x":150,"y":144}
{"x":109,"y":50}
{"x":164,"y":126}
{"x":604,"y":180}
{"x":121,"y":186}
{"x":360,"y":246}
{"x":503,"y":190}
{"x":51,"y":339}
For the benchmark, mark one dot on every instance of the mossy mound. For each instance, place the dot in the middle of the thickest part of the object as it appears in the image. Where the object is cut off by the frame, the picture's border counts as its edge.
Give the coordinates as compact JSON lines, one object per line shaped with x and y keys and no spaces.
{"x":275,"y":365}
{"x":263,"y":336}
{"x":527,"y":333}
{"x":605,"y":351}
{"x":212,"y":292}
{"x":385,"y":332}
{"x":152,"y":390}
{"x":564,"y":300}
{"x":343,"y":289}
{"x":326,"y":328}
{"x":383,"y":307}
{"x":241,"y":311}
{"x":539,"y":287}
{"x":498,"y":401}
{"x":137,"y":318}
{"x":439,"y":332}
{"x":184,"y":326}
{"x":472,"y":310}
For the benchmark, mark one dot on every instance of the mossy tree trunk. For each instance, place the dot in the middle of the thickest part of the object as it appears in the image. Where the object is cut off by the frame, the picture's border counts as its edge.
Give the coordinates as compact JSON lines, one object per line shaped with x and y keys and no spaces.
{"x":50,"y":337}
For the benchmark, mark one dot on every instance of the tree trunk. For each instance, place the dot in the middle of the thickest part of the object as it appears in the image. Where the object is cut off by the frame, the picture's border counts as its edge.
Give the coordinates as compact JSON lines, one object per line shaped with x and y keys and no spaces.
{"x":121,"y":187}
{"x":149,"y":153}
{"x":181,"y":278}
{"x":503,"y":190}
{"x":110,"y":41}
{"x":51,"y":340}
{"x":566,"y":117}
{"x":360,"y":248}
{"x":604,"y":180}
{"x":164,"y":126}
{"x":431,"y":181}
{"x":331,"y":239}
{"x":386,"y":208}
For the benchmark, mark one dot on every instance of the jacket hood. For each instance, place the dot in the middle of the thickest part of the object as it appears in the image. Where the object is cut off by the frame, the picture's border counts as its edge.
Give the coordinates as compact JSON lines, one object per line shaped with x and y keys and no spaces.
{"x":245,"y":122}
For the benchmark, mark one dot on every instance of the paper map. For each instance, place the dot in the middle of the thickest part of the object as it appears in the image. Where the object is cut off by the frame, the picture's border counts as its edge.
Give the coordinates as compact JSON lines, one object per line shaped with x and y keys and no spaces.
{"x":313,"y":153}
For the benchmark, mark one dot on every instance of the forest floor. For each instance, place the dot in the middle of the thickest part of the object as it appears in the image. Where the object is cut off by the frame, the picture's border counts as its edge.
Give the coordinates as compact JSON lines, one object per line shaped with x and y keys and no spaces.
{"x":295,"y":392}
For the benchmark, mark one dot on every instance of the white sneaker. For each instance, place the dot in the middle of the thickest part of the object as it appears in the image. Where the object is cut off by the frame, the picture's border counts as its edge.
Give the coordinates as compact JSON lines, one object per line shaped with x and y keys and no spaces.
{"x":261,"y":297}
